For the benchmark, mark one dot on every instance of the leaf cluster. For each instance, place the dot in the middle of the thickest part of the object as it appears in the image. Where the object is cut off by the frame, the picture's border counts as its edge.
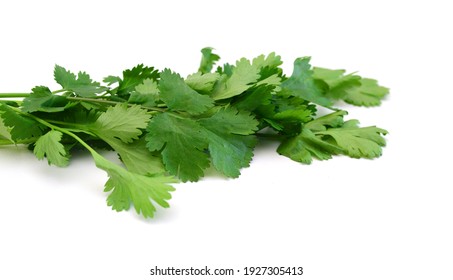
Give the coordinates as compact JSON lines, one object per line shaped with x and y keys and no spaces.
{"x":167,"y":128}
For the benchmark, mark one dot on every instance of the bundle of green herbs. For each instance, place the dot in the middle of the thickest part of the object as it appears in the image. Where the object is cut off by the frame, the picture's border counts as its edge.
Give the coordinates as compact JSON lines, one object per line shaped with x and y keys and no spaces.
{"x":166,"y":128}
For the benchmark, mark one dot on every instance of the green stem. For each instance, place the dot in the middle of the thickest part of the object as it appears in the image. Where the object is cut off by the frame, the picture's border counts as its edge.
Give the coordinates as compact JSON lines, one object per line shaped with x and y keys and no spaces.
{"x":63,"y":130}
{"x":73,"y":127}
{"x":5,"y":142}
{"x":109,"y":102}
{"x":58,"y":91}
{"x":270,"y":136}
{"x":93,"y":100}
{"x":54,"y":127}
{"x":14,"y":95}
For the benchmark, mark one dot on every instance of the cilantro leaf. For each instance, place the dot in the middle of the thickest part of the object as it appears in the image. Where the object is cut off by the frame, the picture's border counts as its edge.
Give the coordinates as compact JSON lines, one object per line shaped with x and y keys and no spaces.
{"x":357,"y":142}
{"x":4,"y":131}
{"x":179,"y":96}
{"x":243,"y":76}
{"x":287,"y":113}
{"x":270,"y":61}
{"x":351,"y":88}
{"x":302,"y":84}
{"x":136,"y":157}
{"x":302,"y":115}
{"x":329,"y":135}
{"x":22,"y":127}
{"x":121,"y":122}
{"x":225,"y":134}
{"x":203,"y":83}
{"x":82,"y":85}
{"x":110,"y":80}
{"x":306,"y":146}
{"x":331,"y":120}
{"x":269,"y":70}
{"x":369,"y":93}
{"x":182,"y":144}
{"x":134,"y":77}
{"x":145,"y":94}
{"x":148,"y":86}
{"x":230,"y":120}
{"x":208,"y":60}
{"x":254,"y":98}
{"x":331,"y":77}
{"x":229,"y":152}
{"x":41,"y":99}
{"x":49,"y":146}
{"x":127,"y":187}
{"x":230,"y":143}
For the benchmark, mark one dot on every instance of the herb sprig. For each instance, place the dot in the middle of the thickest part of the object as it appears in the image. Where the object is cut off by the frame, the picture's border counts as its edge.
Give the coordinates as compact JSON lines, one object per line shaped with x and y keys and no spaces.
{"x":166,"y":128}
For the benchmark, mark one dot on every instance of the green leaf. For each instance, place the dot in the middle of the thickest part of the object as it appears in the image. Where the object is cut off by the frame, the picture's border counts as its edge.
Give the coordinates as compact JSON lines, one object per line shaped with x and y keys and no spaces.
{"x":208,"y":60}
{"x":365,"y":142}
{"x":121,"y":122}
{"x":269,"y":70}
{"x":254,"y":98}
{"x":369,"y":93}
{"x":22,"y":127}
{"x":331,"y":120}
{"x":127,"y":187}
{"x":110,"y":80}
{"x":82,"y":85}
{"x":287,"y":113}
{"x":330,"y":135}
{"x":230,"y":143}
{"x":145,"y":94}
{"x":49,"y":146}
{"x":230,"y":152}
{"x":180,"y":97}
{"x":243,"y":76}
{"x":225,"y":134}
{"x":147,"y":87}
{"x":230,"y":120}
{"x":301,"y":83}
{"x":145,"y":100}
{"x":79,"y":115}
{"x":203,"y":83}
{"x":4,"y":131}
{"x":273,"y":80}
{"x":331,"y":77}
{"x":351,"y":88}
{"x":306,"y":146}
{"x":302,"y":115}
{"x":182,"y":144}
{"x":270,"y":61}
{"x":134,"y":77}
{"x":136,"y":157}
{"x":337,"y":88}
{"x":41,"y":99}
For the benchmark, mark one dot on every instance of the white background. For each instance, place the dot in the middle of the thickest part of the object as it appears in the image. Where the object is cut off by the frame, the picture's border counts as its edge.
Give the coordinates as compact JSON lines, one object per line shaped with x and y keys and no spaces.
{"x":389,"y":218}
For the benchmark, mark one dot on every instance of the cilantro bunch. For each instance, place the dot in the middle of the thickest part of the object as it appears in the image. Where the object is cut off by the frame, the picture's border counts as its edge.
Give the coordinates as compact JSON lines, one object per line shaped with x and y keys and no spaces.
{"x":166,"y":128}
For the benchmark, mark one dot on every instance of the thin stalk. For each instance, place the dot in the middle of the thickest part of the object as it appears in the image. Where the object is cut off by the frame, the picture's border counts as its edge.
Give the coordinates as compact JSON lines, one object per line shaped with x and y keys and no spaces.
{"x":109,"y":102}
{"x":14,"y":95}
{"x":93,"y":100}
{"x":270,"y":136}
{"x":5,"y":142}
{"x":62,"y":130}
{"x":74,"y":127}
{"x":11,"y":100}
{"x":58,"y":91}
